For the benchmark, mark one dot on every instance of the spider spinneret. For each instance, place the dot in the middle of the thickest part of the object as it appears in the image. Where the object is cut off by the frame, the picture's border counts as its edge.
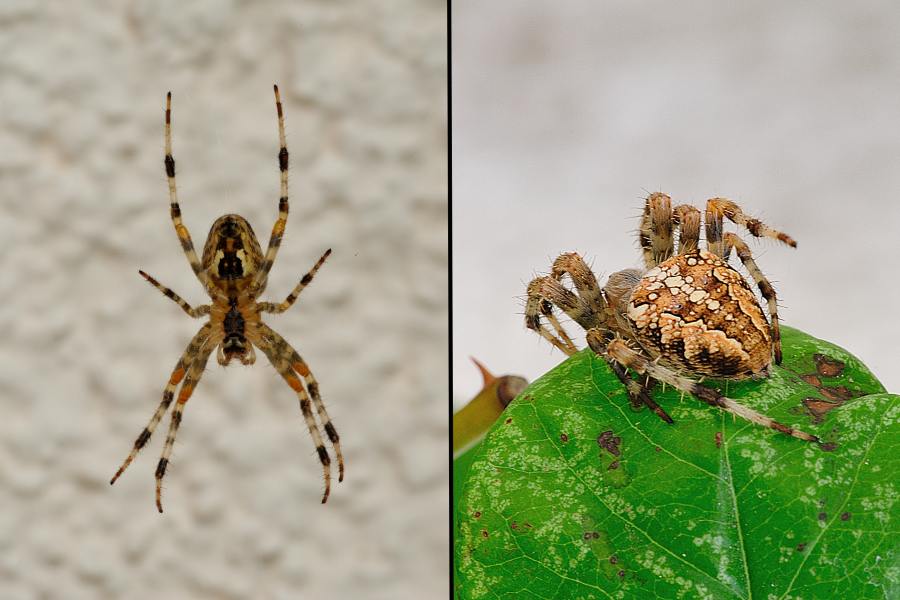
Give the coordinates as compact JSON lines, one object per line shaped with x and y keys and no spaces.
{"x":234,"y":272}
{"x":686,"y":314}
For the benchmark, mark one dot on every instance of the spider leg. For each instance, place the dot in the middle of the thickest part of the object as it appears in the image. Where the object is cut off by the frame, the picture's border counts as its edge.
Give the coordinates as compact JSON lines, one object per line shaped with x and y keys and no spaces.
{"x":583,"y":279}
{"x":584,"y":308}
{"x":639,"y":393}
{"x":194,"y":372}
{"x":289,"y":364}
{"x":192,"y":312}
{"x":186,"y":360}
{"x":283,"y":208}
{"x":295,"y":293}
{"x":539,"y":305}
{"x":183,"y":235}
{"x":765,"y":288}
{"x":717,"y":208}
{"x":619,"y":351}
{"x":655,"y":233}
{"x":688,"y":220}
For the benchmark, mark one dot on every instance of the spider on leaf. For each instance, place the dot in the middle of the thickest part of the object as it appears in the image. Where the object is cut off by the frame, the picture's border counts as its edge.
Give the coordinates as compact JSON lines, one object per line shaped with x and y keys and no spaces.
{"x":686,"y":313}
{"x":234,"y":272}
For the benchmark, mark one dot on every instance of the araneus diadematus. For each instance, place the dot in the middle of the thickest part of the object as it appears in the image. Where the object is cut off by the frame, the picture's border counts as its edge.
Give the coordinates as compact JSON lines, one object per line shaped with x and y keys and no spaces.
{"x":234,"y":272}
{"x":688,"y":313}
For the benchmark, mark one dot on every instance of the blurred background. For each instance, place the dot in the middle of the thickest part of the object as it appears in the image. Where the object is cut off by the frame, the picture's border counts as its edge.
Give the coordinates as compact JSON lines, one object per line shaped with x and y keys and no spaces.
{"x":88,"y":346}
{"x":567,"y":114}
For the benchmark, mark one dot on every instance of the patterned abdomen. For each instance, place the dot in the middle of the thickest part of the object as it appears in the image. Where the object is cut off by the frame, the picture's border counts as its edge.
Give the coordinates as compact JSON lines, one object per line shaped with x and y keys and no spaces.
{"x":699,"y":316}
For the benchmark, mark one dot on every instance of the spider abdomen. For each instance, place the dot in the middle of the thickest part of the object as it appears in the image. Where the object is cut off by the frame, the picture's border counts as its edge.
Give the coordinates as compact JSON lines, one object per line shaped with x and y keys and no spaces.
{"x":698,"y":315}
{"x":232,"y":253}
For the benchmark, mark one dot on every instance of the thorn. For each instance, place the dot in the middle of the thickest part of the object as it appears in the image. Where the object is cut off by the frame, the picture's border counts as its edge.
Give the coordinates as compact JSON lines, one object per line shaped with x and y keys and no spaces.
{"x":485,"y":374}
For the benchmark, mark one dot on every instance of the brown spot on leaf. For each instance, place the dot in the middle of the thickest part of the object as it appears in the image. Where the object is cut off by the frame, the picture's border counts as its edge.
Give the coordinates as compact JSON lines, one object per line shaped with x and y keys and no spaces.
{"x":513,"y":525}
{"x":508,"y":421}
{"x":845,"y":516}
{"x":811,"y":380}
{"x":832,"y":396}
{"x":823,"y":516}
{"x":801,"y":547}
{"x":484,"y":533}
{"x":613,"y":559}
{"x":828,"y":367}
{"x":610,"y":442}
{"x":718,"y":439}
{"x":588,"y":535}
{"x":477,"y":514}
{"x":828,"y":446}
{"x":658,"y":449}
{"x":564,"y":438}
{"x":818,"y":408}
{"x":838,"y":393}
{"x":621,"y":573}
{"x":613,"y":466}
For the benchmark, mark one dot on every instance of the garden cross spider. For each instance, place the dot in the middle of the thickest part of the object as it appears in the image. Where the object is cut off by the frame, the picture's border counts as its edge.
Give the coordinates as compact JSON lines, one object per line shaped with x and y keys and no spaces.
{"x":233,"y":271}
{"x":688,"y":313}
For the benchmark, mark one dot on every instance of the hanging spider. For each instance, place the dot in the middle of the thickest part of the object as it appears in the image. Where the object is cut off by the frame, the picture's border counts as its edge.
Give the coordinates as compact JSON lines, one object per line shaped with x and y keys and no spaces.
{"x":234,"y":272}
{"x":688,"y":314}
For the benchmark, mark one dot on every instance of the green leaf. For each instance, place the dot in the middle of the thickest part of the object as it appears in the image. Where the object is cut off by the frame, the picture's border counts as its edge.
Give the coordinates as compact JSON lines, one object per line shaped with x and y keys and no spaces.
{"x":573,"y":494}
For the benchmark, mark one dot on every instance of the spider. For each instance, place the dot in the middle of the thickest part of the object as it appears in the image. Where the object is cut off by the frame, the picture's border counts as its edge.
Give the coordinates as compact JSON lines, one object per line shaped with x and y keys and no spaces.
{"x":234,"y":272}
{"x":686,"y":313}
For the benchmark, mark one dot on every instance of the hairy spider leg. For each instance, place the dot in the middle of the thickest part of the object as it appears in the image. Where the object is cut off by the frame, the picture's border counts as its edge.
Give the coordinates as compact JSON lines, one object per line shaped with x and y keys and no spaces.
{"x":538,"y":305}
{"x":765,"y":288}
{"x":545,"y":292}
{"x":717,"y":208}
{"x":194,"y":372}
{"x":187,"y":359}
{"x":302,"y":369}
{"x":279,"y":354}
{"x":183,"y":235}
{"x":655,"y":233}
{"x":283,"y":208}
{"x":271,"y":307}
{"x":687,"y":218}
{"x":583,"y":279}
{"x":639,"y":393}
{"x":619,"y":351}
{"x":197,"y":312}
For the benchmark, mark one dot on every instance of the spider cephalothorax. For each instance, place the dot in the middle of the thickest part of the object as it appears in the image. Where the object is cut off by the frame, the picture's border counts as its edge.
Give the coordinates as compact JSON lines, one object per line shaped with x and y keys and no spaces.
{"x":687,"y":314}
{"x":233,"y":271}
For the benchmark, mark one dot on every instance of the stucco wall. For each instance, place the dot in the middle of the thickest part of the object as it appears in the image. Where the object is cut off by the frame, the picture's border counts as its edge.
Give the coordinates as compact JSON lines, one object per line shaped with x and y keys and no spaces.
{"x":87,"y":345}
{"x":566,"y":114}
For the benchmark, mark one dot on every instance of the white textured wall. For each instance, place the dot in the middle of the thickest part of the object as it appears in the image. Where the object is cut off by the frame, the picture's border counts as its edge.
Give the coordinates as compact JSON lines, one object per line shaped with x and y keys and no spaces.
{"x":87,"y":345}
{"x":566,"y":114}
